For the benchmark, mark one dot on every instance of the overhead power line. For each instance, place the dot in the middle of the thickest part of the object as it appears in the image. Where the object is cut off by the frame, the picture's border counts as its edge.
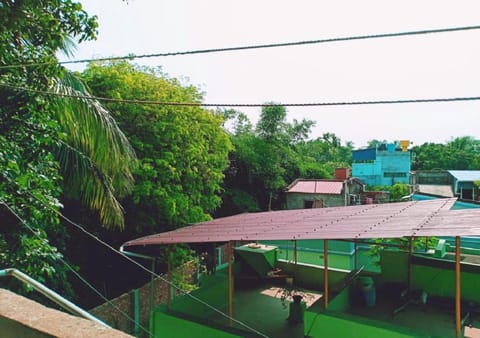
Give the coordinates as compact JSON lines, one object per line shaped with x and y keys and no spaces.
{"x":78,"y":275}
{"x":248,"y":47}
{"x":131,"y":260}
{"x":239,"y":105}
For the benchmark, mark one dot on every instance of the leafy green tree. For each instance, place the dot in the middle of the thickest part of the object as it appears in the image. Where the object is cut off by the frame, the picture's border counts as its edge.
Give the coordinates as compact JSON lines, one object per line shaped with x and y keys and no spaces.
{"x":272,"y":123}
{"x":461,"y":153}
{"x":430,"y":156}
{"x":398,"y":191}
{"x":269,"y":156}
{"x":375,"y":143}
{"x":326,"y":154}
{"x":42,"y":138}
{"x":96,"y":159}
{"x":182,"y":150}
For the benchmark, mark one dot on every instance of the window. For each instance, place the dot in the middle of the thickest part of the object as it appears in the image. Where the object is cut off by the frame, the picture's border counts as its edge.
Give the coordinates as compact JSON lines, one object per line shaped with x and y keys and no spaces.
{"x":307,"y":204}
{"x":394,"y":174}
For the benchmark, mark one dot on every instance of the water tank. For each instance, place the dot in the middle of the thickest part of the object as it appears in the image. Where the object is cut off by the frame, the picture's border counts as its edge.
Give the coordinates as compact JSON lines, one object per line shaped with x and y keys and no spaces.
{"x":404,"y":144}
{"x":342,"y":173}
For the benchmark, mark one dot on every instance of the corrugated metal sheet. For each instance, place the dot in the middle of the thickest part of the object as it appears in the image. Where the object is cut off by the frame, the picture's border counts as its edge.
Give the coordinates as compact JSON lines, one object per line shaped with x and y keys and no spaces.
{"x":316,"y":187}
{"x":392,"y":220}
{"x":465,"y":175}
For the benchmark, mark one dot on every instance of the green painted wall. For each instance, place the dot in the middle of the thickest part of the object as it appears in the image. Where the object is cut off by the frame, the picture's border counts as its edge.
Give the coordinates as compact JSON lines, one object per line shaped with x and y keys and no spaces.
{"x":441,"y":281}
{"x":436,"y":277}
{"x":340,"y":256}
{"x":394,"y":266}
{"x":328,"y":325}
{"x":316,"y":258}
{"x":261,"y":260}
{"x":316,"y":245}
{"x":213,"y":290}
{"x":166,"y":326}
{"x":340,"y":302}
{"x":311,"y":276}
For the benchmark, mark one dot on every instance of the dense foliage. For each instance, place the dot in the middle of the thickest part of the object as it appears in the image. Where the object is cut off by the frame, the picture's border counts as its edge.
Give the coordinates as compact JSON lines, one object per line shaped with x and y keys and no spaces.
{"x":461,"y":153}
{"x":56,"y":151}
{"x":182,"y":153}
{"x":269,"y":156}
{"x":182,"y":150}
{"x":397,"y":192}
{"x":50,"y":145}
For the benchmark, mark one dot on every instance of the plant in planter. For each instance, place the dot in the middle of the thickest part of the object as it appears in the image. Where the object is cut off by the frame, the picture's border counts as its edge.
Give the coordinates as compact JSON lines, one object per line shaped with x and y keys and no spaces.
{"x":293,"y":298}
{"x":287,"y":295}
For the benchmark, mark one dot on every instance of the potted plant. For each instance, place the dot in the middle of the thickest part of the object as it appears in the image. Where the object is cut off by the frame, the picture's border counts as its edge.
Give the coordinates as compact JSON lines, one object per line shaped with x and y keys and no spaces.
{"x":293,"y":297}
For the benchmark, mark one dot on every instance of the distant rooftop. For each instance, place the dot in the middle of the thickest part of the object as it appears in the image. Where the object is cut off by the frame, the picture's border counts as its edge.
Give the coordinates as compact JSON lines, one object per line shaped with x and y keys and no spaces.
{"x":436,"y":190}
{"x":316,"y":187}
{"x":465,"y":175}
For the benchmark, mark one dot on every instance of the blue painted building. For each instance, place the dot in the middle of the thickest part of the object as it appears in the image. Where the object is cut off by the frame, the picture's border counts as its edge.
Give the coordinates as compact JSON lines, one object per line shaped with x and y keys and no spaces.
{"x":464,"y":183}
{"x":385,"y":165}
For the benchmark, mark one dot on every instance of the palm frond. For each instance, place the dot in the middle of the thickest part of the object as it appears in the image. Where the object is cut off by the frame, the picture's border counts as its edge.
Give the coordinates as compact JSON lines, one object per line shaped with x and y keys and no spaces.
{"x":95,"y":156}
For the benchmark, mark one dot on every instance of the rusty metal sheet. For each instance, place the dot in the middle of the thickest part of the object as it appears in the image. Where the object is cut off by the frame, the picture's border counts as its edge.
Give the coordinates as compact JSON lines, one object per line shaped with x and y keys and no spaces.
{"x":392,"y":220}
{"x":317,"y":187}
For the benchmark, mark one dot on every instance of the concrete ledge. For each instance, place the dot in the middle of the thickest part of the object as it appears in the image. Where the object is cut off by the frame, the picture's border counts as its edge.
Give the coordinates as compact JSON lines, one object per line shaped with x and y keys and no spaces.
{"x":472,"y":332}
{"x":22,"y":317}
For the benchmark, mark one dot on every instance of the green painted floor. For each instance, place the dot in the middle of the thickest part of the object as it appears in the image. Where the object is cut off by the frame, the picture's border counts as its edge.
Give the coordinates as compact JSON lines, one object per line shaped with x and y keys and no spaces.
{"x":267,"y":315}
{"x":264,"y":313}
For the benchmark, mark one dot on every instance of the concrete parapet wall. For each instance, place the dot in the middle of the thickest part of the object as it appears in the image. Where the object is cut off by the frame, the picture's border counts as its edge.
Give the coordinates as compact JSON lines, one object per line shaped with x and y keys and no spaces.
{"x":311,"y":276}
{"x":150,"y":295}
{"x":22,"y":317}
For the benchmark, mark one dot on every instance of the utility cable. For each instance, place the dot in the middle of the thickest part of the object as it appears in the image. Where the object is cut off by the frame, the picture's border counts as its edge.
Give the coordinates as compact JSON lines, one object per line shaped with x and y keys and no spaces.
{"x":105,"y":299}
{"x":185,"y":293}
{"x":82,"y":229}
{"x":248,"y":47}
{"x":237,"y":105}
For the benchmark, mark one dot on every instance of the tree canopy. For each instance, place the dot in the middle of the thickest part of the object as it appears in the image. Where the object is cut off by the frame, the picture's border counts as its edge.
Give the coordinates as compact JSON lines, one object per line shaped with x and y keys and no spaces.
{"x":182,"y":151}
{"x":460,"y":153}
{"x":43,"y":139}
{"x":270,"y":155}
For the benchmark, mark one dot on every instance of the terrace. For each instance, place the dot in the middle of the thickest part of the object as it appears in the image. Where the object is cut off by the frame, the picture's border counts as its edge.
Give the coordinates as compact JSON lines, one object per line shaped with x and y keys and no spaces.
{"x":248,"y":305}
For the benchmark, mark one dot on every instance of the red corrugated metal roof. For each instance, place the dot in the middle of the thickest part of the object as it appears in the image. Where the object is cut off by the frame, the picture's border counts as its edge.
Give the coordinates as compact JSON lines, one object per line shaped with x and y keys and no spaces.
{"x":392,"y":220}
{"x":316,"y":187}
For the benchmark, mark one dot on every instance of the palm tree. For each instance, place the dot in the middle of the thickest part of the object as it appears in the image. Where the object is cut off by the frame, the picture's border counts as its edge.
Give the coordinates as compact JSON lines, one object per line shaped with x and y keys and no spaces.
{"x":95,"y":157}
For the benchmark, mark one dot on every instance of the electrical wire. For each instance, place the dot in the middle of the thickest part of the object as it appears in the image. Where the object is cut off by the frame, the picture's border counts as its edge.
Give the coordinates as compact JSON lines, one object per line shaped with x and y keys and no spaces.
{"x":163,"y":279}
{"x":183,"y":292}
{"x":249,"y":47}
{"x":237,"y":105}
{"x":105,"y":299}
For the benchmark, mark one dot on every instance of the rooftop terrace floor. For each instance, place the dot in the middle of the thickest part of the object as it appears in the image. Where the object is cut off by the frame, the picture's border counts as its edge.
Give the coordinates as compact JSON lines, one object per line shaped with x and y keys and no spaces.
{"x":261,"y":308}
{"x":436,"y":318}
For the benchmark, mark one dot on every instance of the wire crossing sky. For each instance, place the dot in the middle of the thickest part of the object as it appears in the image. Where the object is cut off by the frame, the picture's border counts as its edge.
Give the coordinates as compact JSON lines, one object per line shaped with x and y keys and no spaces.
{"x":412,"y":67}
{"x":132,"y":56}
{"x":203,"y":104}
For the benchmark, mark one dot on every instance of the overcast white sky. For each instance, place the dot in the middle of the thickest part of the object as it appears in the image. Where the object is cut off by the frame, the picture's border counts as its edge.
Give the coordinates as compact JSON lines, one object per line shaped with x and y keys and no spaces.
{"x":431,"y":66}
